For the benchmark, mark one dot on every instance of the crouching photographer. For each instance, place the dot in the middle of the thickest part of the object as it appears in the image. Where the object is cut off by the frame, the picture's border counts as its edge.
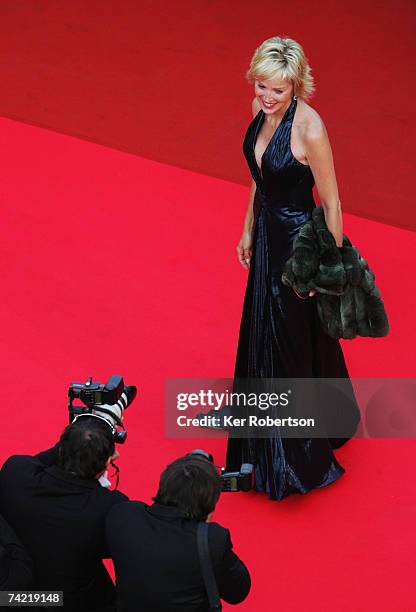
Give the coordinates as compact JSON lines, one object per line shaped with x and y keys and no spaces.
{"x":170,"y":556}
{"x":57,"y":500}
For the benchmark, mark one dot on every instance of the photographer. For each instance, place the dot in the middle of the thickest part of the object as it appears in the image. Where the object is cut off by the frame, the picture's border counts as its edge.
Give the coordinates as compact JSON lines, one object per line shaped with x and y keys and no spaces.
{"x":57,"y":505}
{"x":155,"y":548}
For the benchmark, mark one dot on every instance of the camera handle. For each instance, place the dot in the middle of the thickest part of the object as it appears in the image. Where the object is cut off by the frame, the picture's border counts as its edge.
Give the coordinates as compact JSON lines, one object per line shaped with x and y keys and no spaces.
{"x":206,"y":566}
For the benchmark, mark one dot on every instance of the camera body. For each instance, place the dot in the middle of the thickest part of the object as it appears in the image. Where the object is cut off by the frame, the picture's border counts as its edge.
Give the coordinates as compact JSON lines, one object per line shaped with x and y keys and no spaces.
{"x":102,"y":401}
{"x":93,"y":393}
{"x":231,"y":482}
{"x":238,"y":481}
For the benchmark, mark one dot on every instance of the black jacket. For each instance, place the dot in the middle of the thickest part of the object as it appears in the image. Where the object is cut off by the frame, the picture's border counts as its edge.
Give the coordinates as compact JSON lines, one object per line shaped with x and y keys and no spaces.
{"x":61,"y":521}
{"x":154,"y":549}
{"x":16,"y":566}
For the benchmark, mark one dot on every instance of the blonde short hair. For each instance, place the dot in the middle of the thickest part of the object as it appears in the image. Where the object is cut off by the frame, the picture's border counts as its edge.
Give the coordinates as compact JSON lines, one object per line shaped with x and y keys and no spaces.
{"x":283,"y":58}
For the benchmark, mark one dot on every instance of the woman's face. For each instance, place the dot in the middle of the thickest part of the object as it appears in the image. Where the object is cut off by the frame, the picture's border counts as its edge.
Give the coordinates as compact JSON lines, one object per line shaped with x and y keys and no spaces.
{"x":273,"y":94}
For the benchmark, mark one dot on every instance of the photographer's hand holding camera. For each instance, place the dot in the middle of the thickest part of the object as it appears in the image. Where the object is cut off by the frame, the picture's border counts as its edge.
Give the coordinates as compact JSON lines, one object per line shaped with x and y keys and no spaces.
{"x":156,"y":549}
{"x":57,"y":505}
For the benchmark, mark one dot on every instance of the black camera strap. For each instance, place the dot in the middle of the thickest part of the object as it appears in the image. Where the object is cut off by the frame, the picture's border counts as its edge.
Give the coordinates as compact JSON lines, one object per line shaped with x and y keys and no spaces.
{"x":206,"y":566}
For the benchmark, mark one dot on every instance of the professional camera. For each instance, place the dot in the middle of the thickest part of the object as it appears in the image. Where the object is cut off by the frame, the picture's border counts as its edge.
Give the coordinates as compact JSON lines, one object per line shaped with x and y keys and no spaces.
{"x":106,"y":402}
{"x":231,"y":482}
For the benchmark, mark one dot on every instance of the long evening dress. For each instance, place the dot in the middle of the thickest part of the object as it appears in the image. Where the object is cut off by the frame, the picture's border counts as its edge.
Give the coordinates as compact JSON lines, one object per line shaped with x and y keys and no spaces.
{"x":280,"y":333}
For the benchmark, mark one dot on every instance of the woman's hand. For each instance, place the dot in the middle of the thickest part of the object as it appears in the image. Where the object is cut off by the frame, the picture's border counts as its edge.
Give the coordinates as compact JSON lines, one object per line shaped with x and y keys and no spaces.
{"x":244,"y":250}
{"x":311,"y":293}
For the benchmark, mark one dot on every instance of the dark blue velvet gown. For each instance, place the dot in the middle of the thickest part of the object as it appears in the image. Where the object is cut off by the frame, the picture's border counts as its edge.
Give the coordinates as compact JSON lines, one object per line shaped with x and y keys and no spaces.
{"x":280,"y":334}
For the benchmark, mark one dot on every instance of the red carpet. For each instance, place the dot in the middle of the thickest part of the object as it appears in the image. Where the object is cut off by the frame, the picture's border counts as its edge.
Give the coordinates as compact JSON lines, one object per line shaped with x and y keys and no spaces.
{"x":166,"y":81}
{"x":113,"y":263}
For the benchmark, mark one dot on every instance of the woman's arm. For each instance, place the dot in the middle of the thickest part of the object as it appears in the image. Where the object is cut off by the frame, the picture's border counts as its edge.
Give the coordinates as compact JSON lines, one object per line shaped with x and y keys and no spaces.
{"x":244,"y":246}
{"x":248,"y":220}
{"x":319,"y":155}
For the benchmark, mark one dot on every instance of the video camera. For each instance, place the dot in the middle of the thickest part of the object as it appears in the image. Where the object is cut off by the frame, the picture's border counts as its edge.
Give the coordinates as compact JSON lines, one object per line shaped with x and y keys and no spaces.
{"x":106,"y":402}
{"x":231,"y":482}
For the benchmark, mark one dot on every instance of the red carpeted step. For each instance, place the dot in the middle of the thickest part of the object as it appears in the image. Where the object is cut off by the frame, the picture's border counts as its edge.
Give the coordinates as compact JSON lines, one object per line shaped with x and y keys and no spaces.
{"x":166,"y":81}
{"x":113,"y":263}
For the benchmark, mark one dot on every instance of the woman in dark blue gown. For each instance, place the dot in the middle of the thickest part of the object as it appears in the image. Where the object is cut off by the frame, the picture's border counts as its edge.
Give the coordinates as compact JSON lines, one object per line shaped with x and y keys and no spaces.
{"x":287,"y":150}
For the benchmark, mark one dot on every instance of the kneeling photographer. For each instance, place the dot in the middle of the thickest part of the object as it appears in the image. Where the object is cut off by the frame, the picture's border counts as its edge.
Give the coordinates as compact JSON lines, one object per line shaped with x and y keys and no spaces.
{"x":169,"y":556}
{"x":57,"y":500}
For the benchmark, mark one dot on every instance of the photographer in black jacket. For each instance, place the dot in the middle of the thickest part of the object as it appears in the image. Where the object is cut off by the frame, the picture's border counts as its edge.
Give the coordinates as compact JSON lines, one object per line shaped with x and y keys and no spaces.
{"x":154,"y":548}
{"x":57,"y":505}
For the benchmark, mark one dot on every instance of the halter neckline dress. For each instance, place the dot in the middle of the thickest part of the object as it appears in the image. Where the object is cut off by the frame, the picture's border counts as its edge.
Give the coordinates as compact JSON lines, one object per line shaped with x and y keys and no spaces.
{"x":280,"y":333}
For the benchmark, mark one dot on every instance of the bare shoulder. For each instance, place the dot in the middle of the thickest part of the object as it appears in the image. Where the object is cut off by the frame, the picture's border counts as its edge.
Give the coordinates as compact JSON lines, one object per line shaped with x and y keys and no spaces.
{"x":255,"y":107}
{"x":310,"y":124}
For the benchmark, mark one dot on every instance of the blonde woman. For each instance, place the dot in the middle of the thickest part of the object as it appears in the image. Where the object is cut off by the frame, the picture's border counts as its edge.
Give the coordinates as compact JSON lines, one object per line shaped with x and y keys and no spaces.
{"x":287,"y":150}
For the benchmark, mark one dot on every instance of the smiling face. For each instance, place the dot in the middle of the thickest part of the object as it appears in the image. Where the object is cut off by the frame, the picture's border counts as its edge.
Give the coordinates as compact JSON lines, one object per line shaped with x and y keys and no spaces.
{"x":273,"y":94}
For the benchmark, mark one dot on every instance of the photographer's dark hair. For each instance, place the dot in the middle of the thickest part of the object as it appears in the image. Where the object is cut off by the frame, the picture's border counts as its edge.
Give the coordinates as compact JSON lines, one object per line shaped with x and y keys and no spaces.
{"x":85,"y":447}
{"x":191,"y":484}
